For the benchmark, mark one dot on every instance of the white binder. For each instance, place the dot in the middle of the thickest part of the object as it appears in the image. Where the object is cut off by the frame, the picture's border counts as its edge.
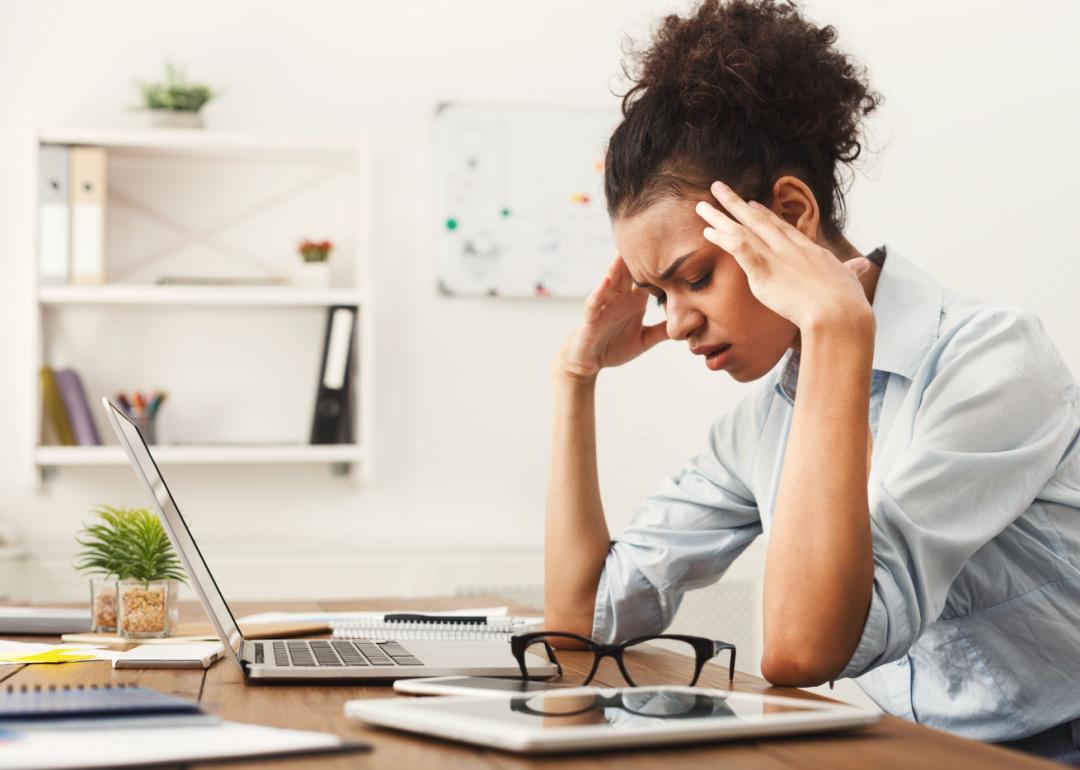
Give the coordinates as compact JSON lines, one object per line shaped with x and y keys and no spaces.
{"x":54,"y":214}
{"x":87,"y":214}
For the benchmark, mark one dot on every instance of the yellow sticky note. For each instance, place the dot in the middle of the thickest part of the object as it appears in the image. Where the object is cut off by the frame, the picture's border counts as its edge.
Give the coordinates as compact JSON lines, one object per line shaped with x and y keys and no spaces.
{"x":59,"y":655}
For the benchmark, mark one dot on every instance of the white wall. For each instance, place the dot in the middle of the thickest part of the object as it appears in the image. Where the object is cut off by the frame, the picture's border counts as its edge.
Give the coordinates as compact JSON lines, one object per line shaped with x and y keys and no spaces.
{"x":973,"y":182}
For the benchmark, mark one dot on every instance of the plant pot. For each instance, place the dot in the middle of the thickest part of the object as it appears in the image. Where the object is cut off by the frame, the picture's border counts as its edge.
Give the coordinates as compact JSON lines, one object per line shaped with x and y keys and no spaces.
{"x":312,"y":275}
{"x":147,"y":608}
{"x":175,"y":119}
{"x":103,"y":605}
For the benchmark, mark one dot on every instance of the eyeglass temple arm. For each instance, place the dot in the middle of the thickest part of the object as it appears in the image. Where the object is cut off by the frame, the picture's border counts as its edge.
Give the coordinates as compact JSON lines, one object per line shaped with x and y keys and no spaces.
{"x":551,"y":656}
{"x":719,"y":647}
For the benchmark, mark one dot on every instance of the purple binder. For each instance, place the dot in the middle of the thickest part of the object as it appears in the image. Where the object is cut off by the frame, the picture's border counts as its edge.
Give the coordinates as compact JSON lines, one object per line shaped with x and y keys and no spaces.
{"x":78,"y":410}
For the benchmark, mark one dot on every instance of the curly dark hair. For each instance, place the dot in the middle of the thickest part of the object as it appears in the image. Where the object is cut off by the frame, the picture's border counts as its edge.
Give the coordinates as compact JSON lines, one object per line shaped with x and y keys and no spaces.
{"x":743,"y":91}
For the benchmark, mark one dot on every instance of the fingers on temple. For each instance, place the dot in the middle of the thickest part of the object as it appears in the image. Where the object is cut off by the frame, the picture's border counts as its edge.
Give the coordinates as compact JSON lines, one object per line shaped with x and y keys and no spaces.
{"x":739,"y":209}
{"x":741,"y":244}
{"x":594,"y":305}
{"x":794,"y":234}
{"x":754,"y":217}
{"x":620,"y":275}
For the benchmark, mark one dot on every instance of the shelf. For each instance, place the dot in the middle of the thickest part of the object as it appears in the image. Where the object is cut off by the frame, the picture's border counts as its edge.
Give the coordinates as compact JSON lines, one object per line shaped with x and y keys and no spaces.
{"x":194,"y":454}
{"x":178,"y":200}
{"x":198,"y":141}
{"x":133,"y":294}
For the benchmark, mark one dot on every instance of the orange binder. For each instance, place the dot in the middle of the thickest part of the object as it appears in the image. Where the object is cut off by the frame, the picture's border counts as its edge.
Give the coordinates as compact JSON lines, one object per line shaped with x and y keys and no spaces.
{"x":87,"y":166}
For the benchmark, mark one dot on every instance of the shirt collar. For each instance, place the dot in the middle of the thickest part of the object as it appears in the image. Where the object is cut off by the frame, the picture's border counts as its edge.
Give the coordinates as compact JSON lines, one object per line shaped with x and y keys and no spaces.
{"x":907,"y":311}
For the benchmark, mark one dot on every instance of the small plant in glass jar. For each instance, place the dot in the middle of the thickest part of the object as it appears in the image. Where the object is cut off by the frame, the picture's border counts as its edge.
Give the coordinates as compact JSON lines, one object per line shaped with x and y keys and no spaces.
{"x":147,"y":570}
{"x":102,"y":557}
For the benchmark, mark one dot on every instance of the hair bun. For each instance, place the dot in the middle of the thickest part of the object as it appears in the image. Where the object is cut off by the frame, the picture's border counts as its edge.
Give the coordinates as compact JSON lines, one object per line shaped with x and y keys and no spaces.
{"x":759,"y":65}
{"x":755,"y":76}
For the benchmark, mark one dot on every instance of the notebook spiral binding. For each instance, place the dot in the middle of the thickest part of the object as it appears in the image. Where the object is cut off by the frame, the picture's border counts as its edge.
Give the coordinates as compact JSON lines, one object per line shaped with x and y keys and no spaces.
{"x":67,"y":687}
{"x":500,"y":629}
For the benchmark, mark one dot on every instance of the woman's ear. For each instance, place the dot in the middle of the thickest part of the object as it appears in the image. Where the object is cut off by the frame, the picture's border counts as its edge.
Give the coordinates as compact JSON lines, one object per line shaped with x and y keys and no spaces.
{"x":793,"y":200}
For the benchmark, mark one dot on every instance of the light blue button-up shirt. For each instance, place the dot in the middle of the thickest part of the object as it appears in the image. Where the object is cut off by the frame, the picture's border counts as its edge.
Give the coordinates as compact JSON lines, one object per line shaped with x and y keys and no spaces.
{"x":974,"y":492}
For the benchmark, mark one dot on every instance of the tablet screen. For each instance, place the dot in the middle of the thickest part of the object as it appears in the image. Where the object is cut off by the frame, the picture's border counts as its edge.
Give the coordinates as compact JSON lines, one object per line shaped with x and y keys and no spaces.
{"x":653,"y":707}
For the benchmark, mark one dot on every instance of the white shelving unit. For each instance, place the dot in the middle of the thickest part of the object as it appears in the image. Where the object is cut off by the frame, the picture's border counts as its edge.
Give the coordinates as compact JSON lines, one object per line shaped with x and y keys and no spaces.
{"x":128,"y":294}
{"x":198,"y":142}
{"x":325,"y":166}
{"x":59,"y":456}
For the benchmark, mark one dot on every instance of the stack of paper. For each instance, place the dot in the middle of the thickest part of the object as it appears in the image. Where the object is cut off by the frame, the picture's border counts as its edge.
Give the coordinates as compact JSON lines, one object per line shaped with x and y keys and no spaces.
{"x":59,"y":749}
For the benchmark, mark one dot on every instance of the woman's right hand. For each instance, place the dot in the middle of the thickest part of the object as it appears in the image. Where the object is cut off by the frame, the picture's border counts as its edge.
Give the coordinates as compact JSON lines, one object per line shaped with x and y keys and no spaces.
{"x":613,"y":331}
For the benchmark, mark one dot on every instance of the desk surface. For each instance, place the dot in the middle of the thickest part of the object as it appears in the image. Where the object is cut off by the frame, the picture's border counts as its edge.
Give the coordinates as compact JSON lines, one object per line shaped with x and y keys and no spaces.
{"x":891,"y":743}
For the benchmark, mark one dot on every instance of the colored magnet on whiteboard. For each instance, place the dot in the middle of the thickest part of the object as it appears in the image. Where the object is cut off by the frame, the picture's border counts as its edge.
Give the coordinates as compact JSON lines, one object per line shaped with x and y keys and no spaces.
{"x":598,"y":165}
{"x":541,"y":291}
{"x":505,"y":212}
{"x":451,"y":224}
{"x":577,"y":197}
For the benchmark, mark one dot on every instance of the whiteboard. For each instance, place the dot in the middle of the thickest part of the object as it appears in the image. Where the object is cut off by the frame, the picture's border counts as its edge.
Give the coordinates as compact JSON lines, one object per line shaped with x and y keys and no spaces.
{"x":520,"y":200}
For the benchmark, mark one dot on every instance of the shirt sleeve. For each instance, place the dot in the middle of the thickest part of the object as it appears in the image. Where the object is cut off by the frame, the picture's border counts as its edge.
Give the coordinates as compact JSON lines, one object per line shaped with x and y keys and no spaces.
{"x":997,"y":415}
{"x":684,"y":536}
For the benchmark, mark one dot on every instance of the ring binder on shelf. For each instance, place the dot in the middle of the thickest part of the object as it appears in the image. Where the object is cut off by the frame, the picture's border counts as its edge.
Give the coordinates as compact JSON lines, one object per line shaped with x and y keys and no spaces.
{"x":54,"y":215}
{"x":87,"y":167}
{"x":332,"y":421}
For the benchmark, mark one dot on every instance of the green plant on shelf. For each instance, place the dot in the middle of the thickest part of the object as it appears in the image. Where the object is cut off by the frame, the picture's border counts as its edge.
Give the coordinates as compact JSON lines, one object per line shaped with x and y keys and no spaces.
{"x":315,"y":251}
{"x":175,"y":93}
{"x":129,"y":544}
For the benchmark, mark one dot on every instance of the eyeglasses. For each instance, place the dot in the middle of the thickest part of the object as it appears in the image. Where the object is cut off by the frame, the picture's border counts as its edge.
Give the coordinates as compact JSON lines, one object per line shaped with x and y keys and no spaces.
{"x":638,"y":664}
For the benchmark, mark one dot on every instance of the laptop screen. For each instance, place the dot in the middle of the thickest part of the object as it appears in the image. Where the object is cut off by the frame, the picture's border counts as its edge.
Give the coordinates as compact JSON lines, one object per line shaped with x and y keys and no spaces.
{"x":146,"y":469}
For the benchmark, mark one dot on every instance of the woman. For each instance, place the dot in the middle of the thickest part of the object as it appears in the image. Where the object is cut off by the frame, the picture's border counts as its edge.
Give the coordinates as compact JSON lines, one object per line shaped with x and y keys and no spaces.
{"x":911,"y":455}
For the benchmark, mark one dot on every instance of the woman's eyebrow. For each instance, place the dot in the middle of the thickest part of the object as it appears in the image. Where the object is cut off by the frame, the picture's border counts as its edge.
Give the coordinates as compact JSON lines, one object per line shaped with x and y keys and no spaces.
{"x":670,"y":271}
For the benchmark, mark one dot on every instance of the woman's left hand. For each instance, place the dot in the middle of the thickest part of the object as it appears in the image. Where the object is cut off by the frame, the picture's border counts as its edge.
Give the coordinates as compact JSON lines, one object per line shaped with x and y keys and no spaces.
{"x":788,"y":272}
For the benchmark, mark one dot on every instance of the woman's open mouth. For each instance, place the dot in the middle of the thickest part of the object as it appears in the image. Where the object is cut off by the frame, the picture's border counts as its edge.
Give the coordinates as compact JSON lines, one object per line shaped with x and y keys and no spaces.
{"x":717,"y":358}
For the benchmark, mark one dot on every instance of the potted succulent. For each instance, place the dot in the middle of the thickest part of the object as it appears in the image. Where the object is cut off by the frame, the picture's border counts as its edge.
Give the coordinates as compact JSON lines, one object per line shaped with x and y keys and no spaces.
{"x":138,"y":572}
{"x":175,"y":102}
{"x":314,"y":268}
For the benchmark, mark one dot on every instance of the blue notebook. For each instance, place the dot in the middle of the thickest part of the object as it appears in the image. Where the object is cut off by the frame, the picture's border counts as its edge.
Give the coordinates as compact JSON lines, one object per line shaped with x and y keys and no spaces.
{"x":45,"y":703}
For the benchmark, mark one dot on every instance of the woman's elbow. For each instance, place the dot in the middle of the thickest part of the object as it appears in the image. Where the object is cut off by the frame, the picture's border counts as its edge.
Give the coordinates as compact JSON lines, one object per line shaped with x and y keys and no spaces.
{"x":800,"y":667}
{"x":578,"y":623}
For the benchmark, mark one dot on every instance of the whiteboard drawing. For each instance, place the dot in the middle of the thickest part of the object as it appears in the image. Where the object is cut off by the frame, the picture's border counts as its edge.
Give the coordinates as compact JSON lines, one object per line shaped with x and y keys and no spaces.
{"x":520,"y":200}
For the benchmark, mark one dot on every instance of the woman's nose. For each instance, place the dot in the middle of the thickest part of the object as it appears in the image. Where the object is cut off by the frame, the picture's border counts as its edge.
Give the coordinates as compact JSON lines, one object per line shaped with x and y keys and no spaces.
{"x":681,"y":319}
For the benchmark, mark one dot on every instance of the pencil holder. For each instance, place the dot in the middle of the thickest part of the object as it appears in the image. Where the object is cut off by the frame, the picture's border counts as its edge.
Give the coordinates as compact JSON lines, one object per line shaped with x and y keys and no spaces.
{"x":147,"y":425}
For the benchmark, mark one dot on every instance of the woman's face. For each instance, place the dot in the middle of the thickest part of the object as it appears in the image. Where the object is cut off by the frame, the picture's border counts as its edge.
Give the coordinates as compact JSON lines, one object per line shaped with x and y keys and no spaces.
{"x":703,"y":290}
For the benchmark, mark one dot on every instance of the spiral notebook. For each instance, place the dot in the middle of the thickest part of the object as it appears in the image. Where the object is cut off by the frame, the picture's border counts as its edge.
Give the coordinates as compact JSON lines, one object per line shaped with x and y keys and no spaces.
{"x":411,"y":626}
{"x":106,"y":700}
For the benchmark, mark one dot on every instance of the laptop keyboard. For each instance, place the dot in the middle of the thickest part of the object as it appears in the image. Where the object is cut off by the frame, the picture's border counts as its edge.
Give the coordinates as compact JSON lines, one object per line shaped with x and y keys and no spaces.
{"x":341,"y":652}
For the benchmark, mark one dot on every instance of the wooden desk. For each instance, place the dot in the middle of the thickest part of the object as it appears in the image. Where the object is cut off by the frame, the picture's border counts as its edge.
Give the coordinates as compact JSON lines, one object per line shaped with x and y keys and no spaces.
{"x":892,"y":743}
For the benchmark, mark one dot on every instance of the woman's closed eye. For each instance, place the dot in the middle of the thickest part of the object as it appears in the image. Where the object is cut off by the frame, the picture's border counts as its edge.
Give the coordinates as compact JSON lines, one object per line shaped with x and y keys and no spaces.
{"x":695,"y":285}
{"x":701,"y":282}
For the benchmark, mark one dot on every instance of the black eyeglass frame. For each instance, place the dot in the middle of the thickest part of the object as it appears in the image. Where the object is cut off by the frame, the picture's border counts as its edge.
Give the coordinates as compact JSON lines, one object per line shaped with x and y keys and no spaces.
{"x":704,"y":651}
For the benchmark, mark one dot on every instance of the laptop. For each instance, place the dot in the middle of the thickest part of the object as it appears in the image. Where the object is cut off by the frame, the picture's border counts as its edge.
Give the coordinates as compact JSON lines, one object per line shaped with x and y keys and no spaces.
{"x":308,"y":659}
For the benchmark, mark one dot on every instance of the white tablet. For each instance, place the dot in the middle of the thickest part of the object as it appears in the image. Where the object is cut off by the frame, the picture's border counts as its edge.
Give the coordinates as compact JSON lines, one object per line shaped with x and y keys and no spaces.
{"x":475,"y":685}
{"x":599,"y":718}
